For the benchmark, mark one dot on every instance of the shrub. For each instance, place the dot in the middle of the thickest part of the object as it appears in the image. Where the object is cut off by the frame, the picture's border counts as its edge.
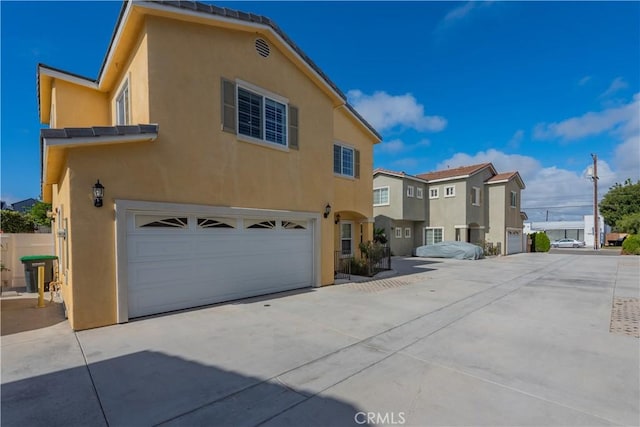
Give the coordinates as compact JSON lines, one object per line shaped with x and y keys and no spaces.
{"x":629,"y":223}
{"x":542,"y":243}
{"x":631,"y":245}
{"x":359,"y":267}
{"x":16,"y":222}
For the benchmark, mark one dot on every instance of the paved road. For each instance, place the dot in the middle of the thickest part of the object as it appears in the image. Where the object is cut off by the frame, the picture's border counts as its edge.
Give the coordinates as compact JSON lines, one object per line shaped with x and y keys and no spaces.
{"x":518,"y":340}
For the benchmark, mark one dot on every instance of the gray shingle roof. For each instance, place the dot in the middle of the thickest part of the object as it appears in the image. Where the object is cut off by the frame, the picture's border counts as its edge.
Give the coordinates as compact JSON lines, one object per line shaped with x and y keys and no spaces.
{"x":97,"y":131}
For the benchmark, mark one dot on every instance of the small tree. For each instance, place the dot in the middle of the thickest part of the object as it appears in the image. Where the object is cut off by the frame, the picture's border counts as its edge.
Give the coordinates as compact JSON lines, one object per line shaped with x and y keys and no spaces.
{"x":620,"y":201}
{"x":39,"y":213}
{"x":542,"y":243}
{"x":16,"y":222}
{"x":631,"y":245}
{"x":379,"y":236}
{"x":629,"y":223}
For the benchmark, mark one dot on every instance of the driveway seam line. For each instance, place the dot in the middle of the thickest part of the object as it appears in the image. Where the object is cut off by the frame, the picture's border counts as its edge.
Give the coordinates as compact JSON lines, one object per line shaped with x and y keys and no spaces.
{"x":364,"y":342}
{"x":93,"y":384}
{"x":517,"y":390}
{"x":394,"y":352}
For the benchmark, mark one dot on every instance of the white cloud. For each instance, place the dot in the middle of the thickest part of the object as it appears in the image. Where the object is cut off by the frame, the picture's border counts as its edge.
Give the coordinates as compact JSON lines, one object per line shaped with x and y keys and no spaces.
{"x":460,"y":14}
{"x":565,"y":194}
{"x":616,"y":85}
{"x":516,"y":139}
{"x":386,"y":111}
{"x":627,"y":159}
{"x":527,"y":166}
{"x":622,"y":120}
{"x":391,"y":147}
{"x":583,"y":81}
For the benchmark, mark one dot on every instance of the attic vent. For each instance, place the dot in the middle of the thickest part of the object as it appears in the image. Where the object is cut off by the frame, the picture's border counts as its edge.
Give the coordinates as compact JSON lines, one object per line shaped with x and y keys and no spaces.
{"x":262,"y":47}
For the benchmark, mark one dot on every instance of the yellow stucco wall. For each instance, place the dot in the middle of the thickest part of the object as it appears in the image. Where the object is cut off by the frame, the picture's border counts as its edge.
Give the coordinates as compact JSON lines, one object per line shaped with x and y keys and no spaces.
{"x":61,"y":203}
{"x":136,"y":72}
{"x":175,"y":81}
{"x":79,"y":106}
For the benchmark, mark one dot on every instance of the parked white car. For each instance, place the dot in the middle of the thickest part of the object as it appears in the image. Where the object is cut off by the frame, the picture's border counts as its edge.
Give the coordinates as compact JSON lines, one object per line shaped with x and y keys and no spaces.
{"x":567,"y":243}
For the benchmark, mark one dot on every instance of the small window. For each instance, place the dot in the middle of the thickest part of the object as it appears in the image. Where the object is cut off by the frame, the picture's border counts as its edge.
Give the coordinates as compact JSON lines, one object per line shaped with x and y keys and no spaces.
{"x":450,"y":191}
{"x":407,"y":233}
{"x":156,"y":221}
{"x":514,"y":199}
{"x":265,"y":225}
{"x":381,"y":196}
{"x":433,"y":235}
{"x":343,"y":160}
{"x":398,"y":232}
{"x":410,"y":190}
{"x":216,"y":223}
{"x":475,"y":196}
{"x":294,"y":225}
{"x":434,"y":193}
{"x":122,"y":105}
{"x":346,"y":239}
{"x":419,"y":194}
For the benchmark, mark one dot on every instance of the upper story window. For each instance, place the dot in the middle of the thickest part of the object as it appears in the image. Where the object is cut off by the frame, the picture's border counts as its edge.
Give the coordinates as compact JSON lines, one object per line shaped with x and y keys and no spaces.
{"x":410,"y":190}
{"x":434,"y":193}
{"x":256,"y":115}
{"x":475,"y":196}
{"x":261,"y":117}
{"x":346,"y":161}
{"x":450,"y":191}
{"x":381,"y":196}
{"x":514,"y":199}
{"x":122,"y":105}
{"x":419,"y":193}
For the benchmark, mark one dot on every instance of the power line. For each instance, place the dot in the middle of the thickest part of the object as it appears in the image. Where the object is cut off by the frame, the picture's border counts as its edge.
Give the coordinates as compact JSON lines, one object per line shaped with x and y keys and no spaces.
{"x":558,"y":207}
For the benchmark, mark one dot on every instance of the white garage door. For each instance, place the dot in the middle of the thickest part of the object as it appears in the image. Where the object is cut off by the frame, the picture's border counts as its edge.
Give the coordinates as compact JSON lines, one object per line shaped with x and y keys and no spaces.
{"x":514,"y":242}
{"x":179,"y":261}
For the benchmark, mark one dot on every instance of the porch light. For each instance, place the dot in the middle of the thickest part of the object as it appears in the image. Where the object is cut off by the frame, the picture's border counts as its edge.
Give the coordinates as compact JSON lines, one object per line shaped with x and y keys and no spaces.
{"x":337,"y":220}
{"x":327,"y":210}
{"x":98,"y":194}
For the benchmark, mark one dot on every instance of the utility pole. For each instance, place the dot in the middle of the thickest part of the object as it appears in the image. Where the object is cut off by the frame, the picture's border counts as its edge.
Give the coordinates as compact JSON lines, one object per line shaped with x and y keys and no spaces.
{"x":596,"y":223}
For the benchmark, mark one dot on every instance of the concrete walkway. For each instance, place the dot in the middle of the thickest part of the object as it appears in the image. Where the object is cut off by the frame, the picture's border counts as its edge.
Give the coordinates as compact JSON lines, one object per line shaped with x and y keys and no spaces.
{"x":518,"y":340}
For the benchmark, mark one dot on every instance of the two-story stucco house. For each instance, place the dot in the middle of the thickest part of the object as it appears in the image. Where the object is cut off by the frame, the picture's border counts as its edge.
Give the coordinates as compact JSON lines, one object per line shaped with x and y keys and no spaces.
{"x":473,"y":204}
{"x":209,"y":160}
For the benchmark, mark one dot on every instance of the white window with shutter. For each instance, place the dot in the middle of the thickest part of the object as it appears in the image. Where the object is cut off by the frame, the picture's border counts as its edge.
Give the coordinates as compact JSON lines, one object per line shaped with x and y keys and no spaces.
{"x":419,"y":192}
{"x":257,"y":115}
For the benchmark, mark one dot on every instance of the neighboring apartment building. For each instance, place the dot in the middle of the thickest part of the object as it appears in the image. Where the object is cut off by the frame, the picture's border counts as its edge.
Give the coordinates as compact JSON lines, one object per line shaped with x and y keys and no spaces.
{"x":472,"y":204}
{"x":224,"y":164}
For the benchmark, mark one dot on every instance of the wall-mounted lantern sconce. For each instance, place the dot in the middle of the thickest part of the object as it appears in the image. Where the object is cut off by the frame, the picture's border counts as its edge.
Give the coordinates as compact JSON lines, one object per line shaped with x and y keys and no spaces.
{"x":337,"y":220}
{"x":98,"y":194}
{"x":327,"y":210}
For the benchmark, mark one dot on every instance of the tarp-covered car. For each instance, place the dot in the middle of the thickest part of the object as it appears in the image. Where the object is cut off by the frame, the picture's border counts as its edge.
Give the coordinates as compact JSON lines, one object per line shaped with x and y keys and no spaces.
{"x":457,"y":250}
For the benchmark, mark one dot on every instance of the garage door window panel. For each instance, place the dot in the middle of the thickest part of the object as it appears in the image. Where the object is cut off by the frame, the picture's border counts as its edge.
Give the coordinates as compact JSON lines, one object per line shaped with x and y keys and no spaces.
{"x":260,"y":225}
{"x":294,"y":225}
{"x":216,"y":223}
{"x":155,"y":221}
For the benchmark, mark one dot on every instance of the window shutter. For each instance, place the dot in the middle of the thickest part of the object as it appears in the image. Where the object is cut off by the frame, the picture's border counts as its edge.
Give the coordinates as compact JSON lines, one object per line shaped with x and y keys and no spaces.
{"x":293,"y":128}
{"x":228,"y":106}
{"x":356,"y":165}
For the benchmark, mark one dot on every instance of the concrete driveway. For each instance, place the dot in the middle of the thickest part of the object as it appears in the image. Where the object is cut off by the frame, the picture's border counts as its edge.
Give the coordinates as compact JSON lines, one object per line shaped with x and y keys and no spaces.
{"x":520,"y":340}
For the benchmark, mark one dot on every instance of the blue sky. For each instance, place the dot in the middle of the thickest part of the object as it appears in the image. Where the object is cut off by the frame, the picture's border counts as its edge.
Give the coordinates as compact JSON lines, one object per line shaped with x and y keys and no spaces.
{"x":530,"y":86}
